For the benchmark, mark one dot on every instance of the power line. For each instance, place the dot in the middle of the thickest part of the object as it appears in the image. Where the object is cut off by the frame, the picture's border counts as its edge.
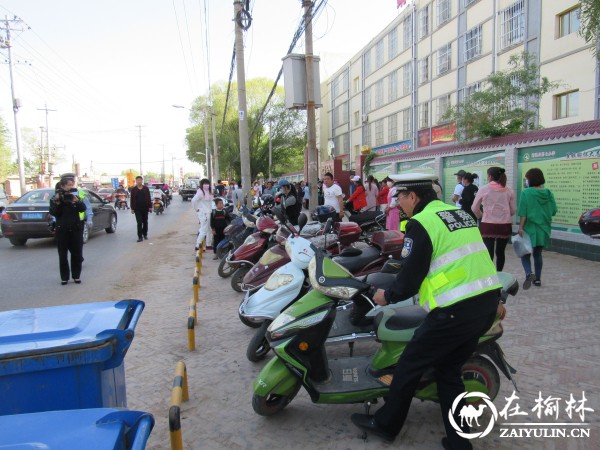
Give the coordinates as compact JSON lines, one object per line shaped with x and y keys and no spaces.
{"x":228,"y":91}
{"x":182,"y":49}
{"x":190,"y":43}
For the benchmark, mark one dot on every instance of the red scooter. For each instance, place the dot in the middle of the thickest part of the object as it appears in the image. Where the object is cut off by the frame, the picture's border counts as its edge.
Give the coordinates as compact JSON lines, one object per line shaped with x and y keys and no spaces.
{"x":248,"y":254}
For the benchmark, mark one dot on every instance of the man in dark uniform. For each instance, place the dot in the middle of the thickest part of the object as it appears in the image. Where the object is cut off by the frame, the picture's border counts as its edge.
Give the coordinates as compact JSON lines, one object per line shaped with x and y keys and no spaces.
{"x":446,"y":263}
{"x":141,"y":204}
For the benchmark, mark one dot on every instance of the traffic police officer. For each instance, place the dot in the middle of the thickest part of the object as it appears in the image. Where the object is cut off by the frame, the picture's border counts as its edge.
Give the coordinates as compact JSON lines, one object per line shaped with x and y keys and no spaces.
{"x":446,"y":263}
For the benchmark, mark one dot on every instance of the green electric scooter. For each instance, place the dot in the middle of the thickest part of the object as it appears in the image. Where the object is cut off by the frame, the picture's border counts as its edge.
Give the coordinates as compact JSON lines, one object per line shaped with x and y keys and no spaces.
{"x":298,"y":337}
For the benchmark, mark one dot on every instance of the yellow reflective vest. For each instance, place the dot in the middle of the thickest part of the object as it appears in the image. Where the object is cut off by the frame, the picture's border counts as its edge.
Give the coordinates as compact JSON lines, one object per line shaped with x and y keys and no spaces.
{"x":460,"y":264}
{"x":81,"y":196}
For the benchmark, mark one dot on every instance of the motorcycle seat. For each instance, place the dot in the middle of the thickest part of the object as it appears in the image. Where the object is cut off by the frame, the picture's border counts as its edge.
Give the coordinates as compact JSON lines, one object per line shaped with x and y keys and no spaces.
{"x":366,"y":216}
{"x":355,"y":263}
{"x":404,"y":318}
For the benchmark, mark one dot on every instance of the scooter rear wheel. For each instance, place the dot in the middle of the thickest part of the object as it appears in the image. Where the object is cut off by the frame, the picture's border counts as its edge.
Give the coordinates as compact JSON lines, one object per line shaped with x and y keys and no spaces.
{"x":259,"y":345}
{"x":481,"y":375}
{"x":272,"y":403}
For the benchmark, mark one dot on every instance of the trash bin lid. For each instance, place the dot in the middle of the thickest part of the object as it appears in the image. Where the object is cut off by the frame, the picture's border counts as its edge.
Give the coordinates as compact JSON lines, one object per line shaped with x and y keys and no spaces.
{"x":92,"y":429}
{"x":31,"y":332}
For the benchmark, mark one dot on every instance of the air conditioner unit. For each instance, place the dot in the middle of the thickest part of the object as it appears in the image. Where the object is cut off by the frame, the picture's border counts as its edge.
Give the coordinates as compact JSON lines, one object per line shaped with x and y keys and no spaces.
{"x":365,"y":118}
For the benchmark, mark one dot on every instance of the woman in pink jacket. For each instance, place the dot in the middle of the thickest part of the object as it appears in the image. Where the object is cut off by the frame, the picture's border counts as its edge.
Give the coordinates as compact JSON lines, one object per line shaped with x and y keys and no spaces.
{"x":499,"y":204}
{"x":392,"y":221}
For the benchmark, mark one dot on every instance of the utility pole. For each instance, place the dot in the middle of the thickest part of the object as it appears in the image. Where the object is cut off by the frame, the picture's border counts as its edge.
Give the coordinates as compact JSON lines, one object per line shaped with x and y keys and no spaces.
{"x":310,"y":104}
{"x":206,"y":148}
{"x":163,"y":166}
{"x":215,"y":146}
{"x":139,"y":127}
{"x":240,"y":15}
{"x":42,"y":161}
{"x":45,"y":108}
{"x":5,"y":43}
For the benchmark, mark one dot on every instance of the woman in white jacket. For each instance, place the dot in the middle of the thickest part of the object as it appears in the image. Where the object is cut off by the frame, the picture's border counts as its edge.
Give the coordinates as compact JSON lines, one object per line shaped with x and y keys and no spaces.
{"x":203,"y":203}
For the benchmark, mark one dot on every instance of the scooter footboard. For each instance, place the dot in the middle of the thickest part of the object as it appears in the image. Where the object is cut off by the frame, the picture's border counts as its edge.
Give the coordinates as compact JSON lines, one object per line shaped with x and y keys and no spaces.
{"x":275,"y":378}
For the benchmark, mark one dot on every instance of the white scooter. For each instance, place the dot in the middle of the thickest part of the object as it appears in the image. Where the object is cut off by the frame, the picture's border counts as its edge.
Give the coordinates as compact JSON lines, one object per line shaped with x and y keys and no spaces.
{"x":290,"y":282}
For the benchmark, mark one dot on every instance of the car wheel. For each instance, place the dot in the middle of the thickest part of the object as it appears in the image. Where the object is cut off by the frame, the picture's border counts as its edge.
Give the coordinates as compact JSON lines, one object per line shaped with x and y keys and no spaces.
{"x":113,"y":224}
{"x":17,"y":242}
{"x":86,"y":233}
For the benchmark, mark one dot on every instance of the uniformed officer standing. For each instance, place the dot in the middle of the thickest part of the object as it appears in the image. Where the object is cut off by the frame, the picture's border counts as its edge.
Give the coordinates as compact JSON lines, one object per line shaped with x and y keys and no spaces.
{"x":447,"y":264}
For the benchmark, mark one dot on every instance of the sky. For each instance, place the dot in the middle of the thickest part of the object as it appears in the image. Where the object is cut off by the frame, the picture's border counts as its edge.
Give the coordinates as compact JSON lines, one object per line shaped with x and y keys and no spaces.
{"x":107,"y":66}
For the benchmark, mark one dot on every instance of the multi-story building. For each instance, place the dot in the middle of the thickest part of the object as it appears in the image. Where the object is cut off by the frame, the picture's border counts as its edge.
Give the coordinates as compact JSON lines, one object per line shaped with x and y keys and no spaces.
{"x":392,"y":95}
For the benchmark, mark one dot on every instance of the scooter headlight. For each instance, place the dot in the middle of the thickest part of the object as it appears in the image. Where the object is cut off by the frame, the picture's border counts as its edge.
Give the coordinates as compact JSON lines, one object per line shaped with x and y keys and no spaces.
{"x":251,"y":240}
{"x":277,"y":280}
{"x":269,"y":257}
{"x":285,"y":328}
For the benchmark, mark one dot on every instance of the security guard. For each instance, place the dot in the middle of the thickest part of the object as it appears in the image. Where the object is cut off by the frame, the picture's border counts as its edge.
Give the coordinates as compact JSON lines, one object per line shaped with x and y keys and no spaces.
{"x":446,"y":263}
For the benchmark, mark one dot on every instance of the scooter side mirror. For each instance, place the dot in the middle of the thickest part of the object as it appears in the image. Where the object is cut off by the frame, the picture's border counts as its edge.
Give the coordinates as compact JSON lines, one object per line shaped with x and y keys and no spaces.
{"x":302,"y":219}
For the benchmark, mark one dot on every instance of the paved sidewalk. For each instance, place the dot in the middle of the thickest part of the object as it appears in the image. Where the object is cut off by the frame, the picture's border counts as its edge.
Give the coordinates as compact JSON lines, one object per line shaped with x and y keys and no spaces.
{"x":551,"y":338}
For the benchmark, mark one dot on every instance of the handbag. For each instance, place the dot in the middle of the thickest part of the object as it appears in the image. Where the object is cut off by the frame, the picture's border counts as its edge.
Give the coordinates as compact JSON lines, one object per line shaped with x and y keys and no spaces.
{"x":522,"y":245}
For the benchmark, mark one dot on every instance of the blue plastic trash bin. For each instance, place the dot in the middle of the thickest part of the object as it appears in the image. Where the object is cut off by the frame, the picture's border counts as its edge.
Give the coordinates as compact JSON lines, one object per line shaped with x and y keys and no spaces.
{"x":65,"y":357}
{"x":92,"y":429}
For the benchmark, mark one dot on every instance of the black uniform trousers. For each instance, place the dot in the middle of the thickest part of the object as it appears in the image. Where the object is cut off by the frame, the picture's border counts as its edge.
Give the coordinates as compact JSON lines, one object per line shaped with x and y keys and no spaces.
{"x":141,"y":217}
{"x":70,"y":240}
{"x":444,"y":342}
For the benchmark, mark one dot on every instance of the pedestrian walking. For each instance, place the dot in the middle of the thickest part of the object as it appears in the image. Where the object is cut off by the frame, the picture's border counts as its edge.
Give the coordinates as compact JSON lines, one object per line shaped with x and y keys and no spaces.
{"x":536,"y":209}
{"x":445,"y":262}
{"x":358,"y":199}
{"x":141,"y":204}
{"x":371,"y":191}
{"x":332,"y":195}
{"x":458,"y":188}
{"x":237,"y":197}
{"x":468,"y":194}
{"x":499,"y":204}
{"x":382,"y":200}
{"x":66,"y":206}
{"x":203,"y":203}
{"x":306,"y":196}
{"x":392,"y":211}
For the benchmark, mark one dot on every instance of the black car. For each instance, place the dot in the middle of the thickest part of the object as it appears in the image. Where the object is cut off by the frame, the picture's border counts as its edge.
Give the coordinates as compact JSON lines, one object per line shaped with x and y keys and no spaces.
{"x":28,"y":217}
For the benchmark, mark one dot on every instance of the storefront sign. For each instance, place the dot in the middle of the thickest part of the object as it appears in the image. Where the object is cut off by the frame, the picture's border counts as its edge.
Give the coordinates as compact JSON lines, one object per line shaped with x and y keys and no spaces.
{"x":439,"y":135}
{"x":393,"y":149}
{"x":420,"y":166}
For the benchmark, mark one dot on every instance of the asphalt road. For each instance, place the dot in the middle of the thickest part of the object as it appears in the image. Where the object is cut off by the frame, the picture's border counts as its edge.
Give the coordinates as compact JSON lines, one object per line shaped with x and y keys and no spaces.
{"x":30,"y":278}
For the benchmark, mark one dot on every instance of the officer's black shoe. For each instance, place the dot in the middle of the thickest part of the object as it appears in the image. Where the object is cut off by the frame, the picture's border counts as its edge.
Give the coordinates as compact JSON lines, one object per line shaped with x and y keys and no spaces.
{"x":140,"y":240}
{"x":145,"y":237}
{"x":446,"y":444}
{"x":367,"y":423}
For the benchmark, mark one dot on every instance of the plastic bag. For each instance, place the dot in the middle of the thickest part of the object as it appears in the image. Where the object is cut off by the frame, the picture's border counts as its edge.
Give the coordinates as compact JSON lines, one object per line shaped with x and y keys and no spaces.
{"x":522,"y":245}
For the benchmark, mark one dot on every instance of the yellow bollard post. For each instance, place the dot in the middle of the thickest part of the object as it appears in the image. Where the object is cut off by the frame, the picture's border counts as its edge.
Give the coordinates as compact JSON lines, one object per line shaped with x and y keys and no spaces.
{"x":193,"y":311}
{"x":179,"y":393}
{"x":196,"y":285}
{"x":191,"y":333}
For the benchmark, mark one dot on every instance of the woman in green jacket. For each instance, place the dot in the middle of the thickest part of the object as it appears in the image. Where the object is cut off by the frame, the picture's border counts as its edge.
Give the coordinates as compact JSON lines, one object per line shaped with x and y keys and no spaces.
{"x":536,"y":208}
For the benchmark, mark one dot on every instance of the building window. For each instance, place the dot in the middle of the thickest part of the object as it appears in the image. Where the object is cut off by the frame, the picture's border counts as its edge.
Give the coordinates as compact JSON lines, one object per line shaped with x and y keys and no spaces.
{"x":335,"y":120}
{"x":443,"y":11}
{"x":334,"y":88}
{"x":356,"y":152}
{"x":470,"y":90}
{"x":407,"y":78}
{"x":424,"y":22}
{"x":379,"y":94}
{"x":344,"y":114}
{"x":356,"y":118}
{"x":368,"y":99}
{"x":367,"y":134}
{"x":407,"y":123}
{"x":424,"y":115}
{"x":367,"y":62}
{"x":407,"y":32}
{"x":468,"y":2}
{"x":379,"y":54}
{"x":379,"y":133}
{"x":443,"y":104}
{"x":346,"y":141}
{"x":473,"y":43}
{"x":345,"y":83}
{"x":512,"y":24}
{"x":393,"y":85}
{"x":356,"y":85}
{"x":566,"y":105}
{"x":393,"y":44}
{"x":393,"y":128}
{"x":568,"y":22}
{"x":516,"y":101}
{"x":424,"y":70}
{"x":444,"y":58}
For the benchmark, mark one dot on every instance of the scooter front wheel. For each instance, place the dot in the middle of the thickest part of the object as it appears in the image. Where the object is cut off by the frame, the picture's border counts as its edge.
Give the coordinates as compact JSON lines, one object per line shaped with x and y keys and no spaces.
{"x":225,"y":269}
{"x":259,"y":345}
{"x":238,"y":278}
{"x":267,"y":405}
{"x":480,"y":375}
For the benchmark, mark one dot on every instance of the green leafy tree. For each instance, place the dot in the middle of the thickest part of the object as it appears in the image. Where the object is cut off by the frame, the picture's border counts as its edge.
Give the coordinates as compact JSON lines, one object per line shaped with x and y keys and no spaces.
{"x":508,"y":103}
{"x":287,"y":131}
{"x":7,"y":166}
{"x":589,"y":23}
